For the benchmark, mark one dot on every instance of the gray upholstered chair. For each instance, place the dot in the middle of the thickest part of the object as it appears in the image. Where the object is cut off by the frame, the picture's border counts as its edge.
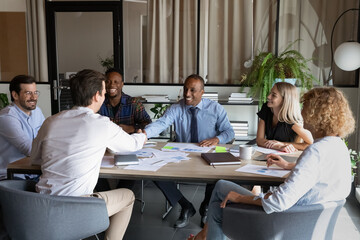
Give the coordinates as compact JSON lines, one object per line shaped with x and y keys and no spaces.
{"x":30,"y":215}
{"x":316,"y":221}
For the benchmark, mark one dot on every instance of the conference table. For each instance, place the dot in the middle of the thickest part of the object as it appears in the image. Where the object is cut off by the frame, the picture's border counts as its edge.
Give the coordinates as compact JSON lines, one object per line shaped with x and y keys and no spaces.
{"x":194,"y":170}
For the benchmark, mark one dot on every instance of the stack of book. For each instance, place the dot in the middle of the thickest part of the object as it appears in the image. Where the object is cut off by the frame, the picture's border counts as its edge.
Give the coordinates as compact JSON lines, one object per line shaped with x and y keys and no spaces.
{"x":156,"y":97}
{"x":240,"y":98}
{"x":240,"y":128}
{"x":211,"y":95}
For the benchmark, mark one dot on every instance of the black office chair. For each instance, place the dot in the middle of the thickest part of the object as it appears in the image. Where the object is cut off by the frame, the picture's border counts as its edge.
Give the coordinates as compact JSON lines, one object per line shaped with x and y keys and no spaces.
{"x":30,"y":215}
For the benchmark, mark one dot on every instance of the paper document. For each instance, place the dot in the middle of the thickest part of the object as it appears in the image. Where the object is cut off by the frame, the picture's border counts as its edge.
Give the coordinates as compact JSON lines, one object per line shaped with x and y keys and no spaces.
{"x":263,"y":170}
{"x":144,"y":152}
{"x":268,"y":150}
{"x":185,"y":147}
{"x":107,"y":162}
{"x":148,"y":164}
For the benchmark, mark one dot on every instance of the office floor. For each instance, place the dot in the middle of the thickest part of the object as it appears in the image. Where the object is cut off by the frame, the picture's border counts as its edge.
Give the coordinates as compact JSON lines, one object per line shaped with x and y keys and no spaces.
{"x":150,"y":225}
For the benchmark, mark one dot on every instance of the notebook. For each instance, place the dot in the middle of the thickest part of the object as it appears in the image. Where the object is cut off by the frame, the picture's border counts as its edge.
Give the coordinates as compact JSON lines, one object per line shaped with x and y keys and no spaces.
{"x":220,"y":158}
{"x":128,"y":159}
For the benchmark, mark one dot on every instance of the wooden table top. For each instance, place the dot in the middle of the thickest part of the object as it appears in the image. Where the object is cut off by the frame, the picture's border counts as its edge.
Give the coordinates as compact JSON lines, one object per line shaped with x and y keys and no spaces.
{"x":194,"y":170}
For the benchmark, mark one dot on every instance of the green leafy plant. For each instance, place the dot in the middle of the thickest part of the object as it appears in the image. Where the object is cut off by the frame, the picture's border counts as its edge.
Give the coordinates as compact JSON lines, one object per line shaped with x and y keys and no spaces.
{"x":3,"y":100}
{"x":354,"y":157}
{"x":268,"y":67}
{"x":107,"y":63}
{"x":159,"y":109}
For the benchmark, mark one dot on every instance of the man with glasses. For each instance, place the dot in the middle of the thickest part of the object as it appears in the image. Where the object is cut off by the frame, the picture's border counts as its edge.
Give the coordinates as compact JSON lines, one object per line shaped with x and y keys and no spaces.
{"x":19,"y":122}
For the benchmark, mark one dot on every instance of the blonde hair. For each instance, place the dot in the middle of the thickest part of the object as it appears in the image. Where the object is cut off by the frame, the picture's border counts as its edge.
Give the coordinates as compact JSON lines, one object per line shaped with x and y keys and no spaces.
{"x":328,"y":112}
{"x":290,"y":110}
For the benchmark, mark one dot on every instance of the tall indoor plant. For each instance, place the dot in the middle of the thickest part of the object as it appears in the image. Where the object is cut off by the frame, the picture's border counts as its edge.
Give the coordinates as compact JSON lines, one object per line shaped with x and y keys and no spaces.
{"x":3,"y":100}
{"x":268,"y":68}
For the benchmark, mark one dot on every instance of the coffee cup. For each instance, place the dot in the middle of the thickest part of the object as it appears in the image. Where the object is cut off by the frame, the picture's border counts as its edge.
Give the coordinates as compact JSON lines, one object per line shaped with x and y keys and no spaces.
{"x":246,"y":151}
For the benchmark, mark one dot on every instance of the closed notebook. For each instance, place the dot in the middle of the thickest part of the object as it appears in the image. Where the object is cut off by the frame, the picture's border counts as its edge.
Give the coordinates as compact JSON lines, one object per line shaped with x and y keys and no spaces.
{"x":128,"y":159}
{"x":220,"y":158}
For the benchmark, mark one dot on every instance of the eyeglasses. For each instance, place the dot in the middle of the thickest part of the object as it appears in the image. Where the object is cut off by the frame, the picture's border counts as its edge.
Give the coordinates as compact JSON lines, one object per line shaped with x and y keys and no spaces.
{"x":29,"y":93}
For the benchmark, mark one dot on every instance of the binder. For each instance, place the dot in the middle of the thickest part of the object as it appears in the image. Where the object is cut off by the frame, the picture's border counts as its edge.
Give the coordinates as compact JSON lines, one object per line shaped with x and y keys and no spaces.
{"x":216,"y":159}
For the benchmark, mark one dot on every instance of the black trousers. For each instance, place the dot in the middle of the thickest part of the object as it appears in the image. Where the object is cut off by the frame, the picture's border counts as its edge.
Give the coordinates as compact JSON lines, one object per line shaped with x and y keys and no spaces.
{"x":173,"y":195}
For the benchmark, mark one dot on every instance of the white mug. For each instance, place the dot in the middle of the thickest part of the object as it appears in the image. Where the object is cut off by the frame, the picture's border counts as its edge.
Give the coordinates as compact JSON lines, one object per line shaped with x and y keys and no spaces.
{"x":246,"y":151}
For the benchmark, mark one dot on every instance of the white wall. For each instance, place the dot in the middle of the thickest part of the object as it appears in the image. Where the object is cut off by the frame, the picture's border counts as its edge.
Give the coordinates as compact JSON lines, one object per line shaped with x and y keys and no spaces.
{"x":82,"y":39}
{"x":12,"y":6}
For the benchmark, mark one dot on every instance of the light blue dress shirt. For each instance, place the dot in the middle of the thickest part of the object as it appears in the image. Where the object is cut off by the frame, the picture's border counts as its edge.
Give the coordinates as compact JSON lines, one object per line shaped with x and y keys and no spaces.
{"x":211,"y":118}
{"x":17,"y":131}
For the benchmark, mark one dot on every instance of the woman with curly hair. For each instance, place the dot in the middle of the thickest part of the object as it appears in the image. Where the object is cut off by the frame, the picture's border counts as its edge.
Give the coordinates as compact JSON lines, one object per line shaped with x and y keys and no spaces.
{"x":280,"y":122}
{"x":321,"y":174}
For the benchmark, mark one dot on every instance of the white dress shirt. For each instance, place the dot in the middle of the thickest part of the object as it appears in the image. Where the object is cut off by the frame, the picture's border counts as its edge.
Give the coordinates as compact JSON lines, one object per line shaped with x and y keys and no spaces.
{"x":70,"y":146}
{"x":322,"y":174}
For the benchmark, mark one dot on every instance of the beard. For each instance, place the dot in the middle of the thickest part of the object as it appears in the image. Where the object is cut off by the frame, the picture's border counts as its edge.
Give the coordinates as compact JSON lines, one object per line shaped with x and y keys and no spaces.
{"x":28,"y":105}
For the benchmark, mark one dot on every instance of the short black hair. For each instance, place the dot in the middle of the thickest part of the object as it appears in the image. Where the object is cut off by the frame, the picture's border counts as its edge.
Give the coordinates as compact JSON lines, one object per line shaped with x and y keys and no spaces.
{"x":17,"y":80}
{"x":198,"y":77}
{"x":117,"y":70}
{"x":84,"y":85}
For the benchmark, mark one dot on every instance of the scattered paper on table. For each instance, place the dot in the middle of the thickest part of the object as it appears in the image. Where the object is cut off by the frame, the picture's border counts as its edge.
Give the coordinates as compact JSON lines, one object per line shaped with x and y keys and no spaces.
{"x":263,"y":170}
{"x":185,"y":147}
{"x":235,"y":154}
{"x":144,"y":152}
{"x":147,"y":164}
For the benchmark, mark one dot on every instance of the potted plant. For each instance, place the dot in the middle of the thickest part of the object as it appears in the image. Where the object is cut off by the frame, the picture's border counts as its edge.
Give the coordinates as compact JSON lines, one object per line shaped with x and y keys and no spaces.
{"x":159,"y":110}
{"x":268,"y":68}
{"x":3,"y":100}
{"x":107,"y":63}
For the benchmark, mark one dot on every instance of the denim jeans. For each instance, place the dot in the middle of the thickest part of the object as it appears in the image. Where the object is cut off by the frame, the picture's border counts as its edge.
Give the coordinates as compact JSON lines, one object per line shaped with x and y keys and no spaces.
{"x":215,"y":213}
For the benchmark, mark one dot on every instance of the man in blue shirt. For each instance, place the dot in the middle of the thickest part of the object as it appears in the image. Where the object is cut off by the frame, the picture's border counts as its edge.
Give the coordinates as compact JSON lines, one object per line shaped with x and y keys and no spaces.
{"x":211,"y":127}
{"x":19,"y":122}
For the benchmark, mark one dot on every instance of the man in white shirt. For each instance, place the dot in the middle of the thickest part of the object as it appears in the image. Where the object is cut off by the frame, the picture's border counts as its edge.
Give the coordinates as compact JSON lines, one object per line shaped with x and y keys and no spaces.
{"x":71,"y":144}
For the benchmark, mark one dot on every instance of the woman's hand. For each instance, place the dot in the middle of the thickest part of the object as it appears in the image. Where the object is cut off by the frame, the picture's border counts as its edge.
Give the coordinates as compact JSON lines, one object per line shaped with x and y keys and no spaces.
{"x":232,"y":197}
{"x":279,"y":161}
{"x":288,"y":148}
{"x":273,"y":144}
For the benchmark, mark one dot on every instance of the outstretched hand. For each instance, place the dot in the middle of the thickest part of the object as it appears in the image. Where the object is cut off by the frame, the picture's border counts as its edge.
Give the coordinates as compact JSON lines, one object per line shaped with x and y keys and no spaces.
{"x":209,"y":142}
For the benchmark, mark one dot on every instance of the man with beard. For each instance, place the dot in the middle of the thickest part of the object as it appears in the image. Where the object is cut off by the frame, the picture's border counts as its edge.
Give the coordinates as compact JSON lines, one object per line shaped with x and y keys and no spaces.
{"x":125,"y":111}
{"x":19,"y":122}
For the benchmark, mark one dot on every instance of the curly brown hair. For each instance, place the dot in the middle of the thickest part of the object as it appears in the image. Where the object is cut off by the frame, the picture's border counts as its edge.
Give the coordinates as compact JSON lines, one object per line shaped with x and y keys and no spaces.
{"x":327,"y":111}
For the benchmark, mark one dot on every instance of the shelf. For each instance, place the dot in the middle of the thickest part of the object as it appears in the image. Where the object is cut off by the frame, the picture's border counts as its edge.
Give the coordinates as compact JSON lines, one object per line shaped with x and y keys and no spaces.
{"x":221,"y":102}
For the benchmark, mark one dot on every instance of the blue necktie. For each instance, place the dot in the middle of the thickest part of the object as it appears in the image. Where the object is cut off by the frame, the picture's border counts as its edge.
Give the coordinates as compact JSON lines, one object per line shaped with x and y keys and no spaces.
{"x":194,"y":128}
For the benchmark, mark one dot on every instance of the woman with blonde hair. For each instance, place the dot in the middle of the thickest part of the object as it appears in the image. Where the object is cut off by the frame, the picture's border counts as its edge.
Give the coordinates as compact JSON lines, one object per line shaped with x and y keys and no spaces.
{"x":321,"y":174}
{"x":280,"y":122}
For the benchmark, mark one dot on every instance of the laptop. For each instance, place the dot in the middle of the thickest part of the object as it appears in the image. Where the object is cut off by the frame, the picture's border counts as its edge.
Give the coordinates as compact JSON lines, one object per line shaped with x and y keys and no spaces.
{"x":128,"y":159}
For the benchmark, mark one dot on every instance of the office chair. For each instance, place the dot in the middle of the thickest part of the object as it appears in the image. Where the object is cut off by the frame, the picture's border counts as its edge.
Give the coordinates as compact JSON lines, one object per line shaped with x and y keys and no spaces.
{"x":30,"y":215}
{"x":241,"y":221}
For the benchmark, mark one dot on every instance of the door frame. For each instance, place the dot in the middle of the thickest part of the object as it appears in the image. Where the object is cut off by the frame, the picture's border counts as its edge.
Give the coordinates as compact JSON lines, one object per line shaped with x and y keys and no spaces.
{"x":86,"y":6}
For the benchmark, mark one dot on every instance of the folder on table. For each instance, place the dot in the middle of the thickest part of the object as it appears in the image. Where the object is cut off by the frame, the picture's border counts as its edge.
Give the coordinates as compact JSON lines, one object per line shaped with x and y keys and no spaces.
{"x":220,"y":158}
